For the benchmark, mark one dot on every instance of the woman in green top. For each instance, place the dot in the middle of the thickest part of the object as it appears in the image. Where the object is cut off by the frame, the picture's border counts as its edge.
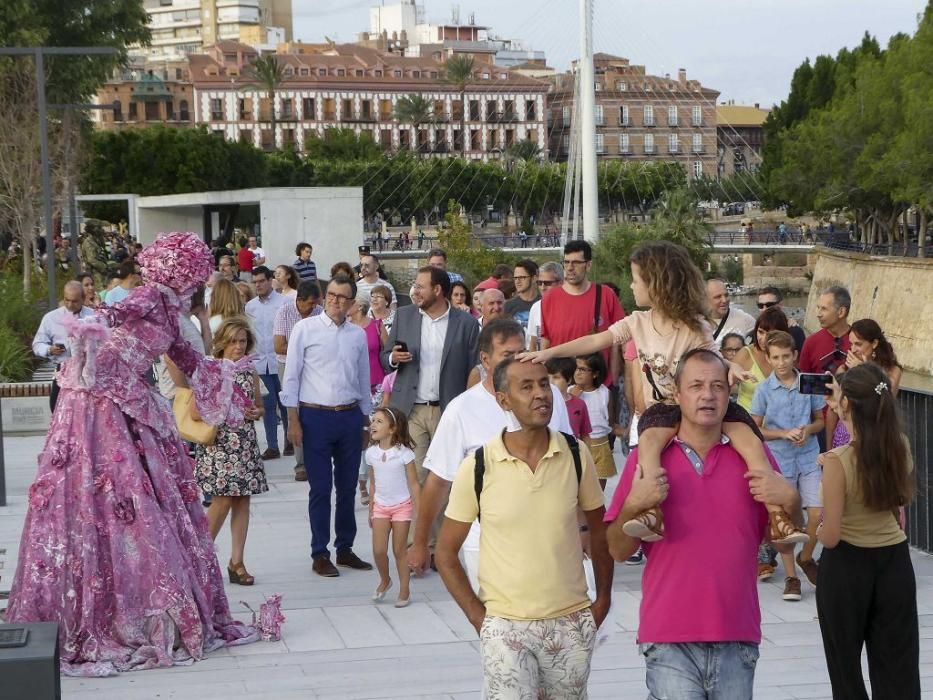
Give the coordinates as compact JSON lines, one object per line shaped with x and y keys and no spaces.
{"x":866,"y":592}
{"x":754,"y":358}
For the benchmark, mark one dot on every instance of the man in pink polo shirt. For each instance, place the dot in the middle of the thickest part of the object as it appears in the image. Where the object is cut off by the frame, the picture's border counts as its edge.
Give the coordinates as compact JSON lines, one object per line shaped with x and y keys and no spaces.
{"x":700,"y":627}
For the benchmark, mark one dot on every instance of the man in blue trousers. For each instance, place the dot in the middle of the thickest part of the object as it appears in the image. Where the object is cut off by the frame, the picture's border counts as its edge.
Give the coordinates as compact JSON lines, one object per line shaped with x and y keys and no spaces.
{"x":326,"y":391}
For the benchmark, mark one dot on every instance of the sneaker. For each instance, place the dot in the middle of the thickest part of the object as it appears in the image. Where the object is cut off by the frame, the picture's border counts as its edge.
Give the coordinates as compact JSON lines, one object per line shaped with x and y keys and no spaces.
{"x":792,"y":588}
{"x":301,"y":473}
{"x":271,"y":453}
{"x":765,"y":571}
{"x":637,"y":558}
{"x":810,"y":568}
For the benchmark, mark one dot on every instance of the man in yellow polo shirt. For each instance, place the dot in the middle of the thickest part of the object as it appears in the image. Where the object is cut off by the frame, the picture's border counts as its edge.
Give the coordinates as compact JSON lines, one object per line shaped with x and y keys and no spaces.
{"x":536,"y":623}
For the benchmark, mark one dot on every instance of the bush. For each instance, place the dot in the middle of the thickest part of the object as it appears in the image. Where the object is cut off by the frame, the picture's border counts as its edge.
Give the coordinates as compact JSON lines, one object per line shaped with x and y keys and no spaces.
{"x":19,"y":319}
{"x":15,"y":359}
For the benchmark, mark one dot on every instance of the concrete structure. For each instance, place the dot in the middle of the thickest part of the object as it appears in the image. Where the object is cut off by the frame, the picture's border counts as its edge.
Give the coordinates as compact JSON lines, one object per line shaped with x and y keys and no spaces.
{"x":897,"y":292}
{"x":329,"y":218}
{"x":348,"y":86}
{"x":739,"y":138}
{"x":641,"y":117}
{"x":181,"y":27}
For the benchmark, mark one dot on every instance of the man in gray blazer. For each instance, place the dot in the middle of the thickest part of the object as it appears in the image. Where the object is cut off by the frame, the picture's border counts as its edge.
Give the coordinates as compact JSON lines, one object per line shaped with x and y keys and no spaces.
{"x":434,"y":347}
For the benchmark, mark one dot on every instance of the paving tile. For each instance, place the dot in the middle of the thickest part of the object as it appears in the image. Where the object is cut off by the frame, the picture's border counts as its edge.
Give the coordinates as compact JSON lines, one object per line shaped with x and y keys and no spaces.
{"x":362,"y":626}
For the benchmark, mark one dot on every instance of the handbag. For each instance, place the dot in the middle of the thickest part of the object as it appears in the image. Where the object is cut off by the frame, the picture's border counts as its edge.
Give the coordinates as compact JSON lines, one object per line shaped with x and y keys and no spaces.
{"x":192,"y":430}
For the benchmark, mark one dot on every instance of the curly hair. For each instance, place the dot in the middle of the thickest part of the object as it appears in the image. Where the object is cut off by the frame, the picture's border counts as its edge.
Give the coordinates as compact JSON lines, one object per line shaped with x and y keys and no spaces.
{"x":227,"y":331}
{"x":674,"y":282}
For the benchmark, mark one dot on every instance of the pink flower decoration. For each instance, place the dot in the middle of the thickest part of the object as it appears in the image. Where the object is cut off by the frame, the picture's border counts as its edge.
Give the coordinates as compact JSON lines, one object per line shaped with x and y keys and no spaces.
{"x":40,"y":493}
{"x":103,"y":482}
{"x":125,"y":510}
{"x":179,"y":260}
{"x":189,"y":491}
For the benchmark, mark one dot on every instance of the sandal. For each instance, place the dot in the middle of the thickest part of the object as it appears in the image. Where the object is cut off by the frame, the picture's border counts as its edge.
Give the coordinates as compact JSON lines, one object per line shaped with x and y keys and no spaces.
{"x":239,"y":575}
{"x":647,"y":526}
{"x":783,"y":531}
{"x":364,"y":495}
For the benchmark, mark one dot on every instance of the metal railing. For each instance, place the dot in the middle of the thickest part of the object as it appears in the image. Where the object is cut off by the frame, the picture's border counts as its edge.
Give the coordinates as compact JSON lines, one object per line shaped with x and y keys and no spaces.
{"x":917,"y":411}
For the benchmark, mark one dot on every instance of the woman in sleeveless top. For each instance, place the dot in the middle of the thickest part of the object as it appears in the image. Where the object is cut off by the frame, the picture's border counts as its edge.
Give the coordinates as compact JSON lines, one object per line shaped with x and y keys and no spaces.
{"x":866,"y":593}
{"x":753,"y":358}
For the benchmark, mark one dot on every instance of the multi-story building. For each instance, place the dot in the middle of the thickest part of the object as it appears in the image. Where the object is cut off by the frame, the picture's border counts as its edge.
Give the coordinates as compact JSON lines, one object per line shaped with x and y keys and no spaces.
{"x":145,"y":93}
{"x":353,"y":87}
{"x":641,"y":117}
{"x":181,"y":27}
{"x":740,"y":138}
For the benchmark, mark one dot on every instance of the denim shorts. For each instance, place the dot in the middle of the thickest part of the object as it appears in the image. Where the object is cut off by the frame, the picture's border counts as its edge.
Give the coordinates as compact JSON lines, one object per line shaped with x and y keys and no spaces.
{"x":713,"y":670}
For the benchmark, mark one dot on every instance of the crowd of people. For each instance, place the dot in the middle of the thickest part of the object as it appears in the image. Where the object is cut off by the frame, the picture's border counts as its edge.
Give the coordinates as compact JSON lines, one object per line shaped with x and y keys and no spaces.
{"x":503,"y":404}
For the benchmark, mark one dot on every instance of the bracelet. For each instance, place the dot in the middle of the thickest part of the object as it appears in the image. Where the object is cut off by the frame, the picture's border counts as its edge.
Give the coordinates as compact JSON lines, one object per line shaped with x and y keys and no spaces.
{"x":584,"y":528}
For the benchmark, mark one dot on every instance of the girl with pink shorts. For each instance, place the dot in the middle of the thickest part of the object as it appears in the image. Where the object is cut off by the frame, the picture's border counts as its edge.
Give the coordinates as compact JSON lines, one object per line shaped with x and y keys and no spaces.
{"x":393,"y":485}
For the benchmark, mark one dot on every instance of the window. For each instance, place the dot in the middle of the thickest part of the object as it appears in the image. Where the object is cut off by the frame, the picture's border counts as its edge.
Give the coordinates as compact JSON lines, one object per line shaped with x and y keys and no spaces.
{"x":322,"y":71}
{"x":599,"y":115}
{"x":152,"y":112}
{"x":698,"y":143}
{"x":217,"y":109}
{"x":672,"y":116}
{"x":117,"y":111}
{"x":288,"y":108}
{"x":341,"y":72}
{"x":649,"y":115}
{"x":474,"y":111}
{"x":385,"y":110}
{"x":623,"y":115}
{"x":308,"y":109}
{"x":359,"y":73}
{"x":597,"y":86}
{"x":416,"y":74}
{"x":673,"y":143}
{"x":600,"y":144}
{"x":649,"y":143}
{"x":485,"y":76}
{"x":565,"y":114}
{"x":183,"y":110}
{"x":246,"y":136}
{"x":491,"y":106}
{"x":531,"y":109}
{"x":366,"y":109}
{"x":330,"y":109}
{"x":697,"y":115}
{"x":476,"y":140}
{"x":377,"y":73}
{"x":385,"y":138}
{"x":624,"y":144}
{"x":398,"y":74}
{"x":244,"y":110}
{"x":698,"y":169}
{"x":621,"y":86}
{"x":346,"y":110}
{"x":133,"y":111}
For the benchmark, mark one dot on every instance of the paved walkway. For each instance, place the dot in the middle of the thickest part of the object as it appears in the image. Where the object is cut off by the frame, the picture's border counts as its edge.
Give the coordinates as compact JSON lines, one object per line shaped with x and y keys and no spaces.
{"x":338,"y":644}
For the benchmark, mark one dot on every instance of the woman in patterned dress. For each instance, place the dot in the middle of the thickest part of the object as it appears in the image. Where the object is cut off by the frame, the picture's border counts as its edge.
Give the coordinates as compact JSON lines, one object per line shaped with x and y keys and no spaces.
{"x":231,"y":470}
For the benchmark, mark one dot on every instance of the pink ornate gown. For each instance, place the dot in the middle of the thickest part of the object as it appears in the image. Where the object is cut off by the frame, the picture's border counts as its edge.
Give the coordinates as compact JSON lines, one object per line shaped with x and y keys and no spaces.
{"x":116,"y":547}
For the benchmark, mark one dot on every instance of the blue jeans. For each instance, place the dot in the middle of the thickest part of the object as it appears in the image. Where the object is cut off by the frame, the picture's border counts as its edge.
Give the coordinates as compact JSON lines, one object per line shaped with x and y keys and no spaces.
{"x":332,"y":448}
{"x":270,"y":403}
{"x":700,"y":671}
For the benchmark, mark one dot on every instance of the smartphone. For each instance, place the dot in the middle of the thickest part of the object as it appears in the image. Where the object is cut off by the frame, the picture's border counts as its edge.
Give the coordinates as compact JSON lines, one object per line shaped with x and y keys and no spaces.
{"x":402,"y":346}
{"x":815,"y":383}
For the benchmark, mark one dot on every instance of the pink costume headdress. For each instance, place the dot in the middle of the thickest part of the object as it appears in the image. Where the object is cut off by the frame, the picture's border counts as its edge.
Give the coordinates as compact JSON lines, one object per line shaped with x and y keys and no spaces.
{"x":179,"y":260}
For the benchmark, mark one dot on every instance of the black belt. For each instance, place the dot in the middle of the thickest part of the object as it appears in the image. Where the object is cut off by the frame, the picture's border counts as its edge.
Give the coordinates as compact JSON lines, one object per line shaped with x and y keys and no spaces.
{"x":427,"y":403}
{"x":336,"y":409}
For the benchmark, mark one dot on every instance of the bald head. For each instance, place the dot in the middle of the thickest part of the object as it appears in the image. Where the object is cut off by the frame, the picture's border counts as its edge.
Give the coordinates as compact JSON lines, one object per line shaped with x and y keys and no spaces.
{"x":73,"y":296}
{"x":718,"y":298}
{"x":492,"y":304}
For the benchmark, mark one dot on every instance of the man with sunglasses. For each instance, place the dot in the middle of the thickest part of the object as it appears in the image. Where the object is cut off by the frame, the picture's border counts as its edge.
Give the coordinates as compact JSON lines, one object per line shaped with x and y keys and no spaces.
{"x":525,"y":277}
{"x":550,"y":275}
{"x":578,"y":307}
{"x":771,"y":296}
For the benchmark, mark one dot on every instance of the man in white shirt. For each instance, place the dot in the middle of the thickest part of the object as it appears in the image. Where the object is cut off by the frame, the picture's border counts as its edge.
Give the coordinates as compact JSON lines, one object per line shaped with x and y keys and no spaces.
{"x":469,"y":421}
{"x":724,"y":318}
{"x":259,"y":255}
{"x":369,"y":278}
{"x":262,"y":310}
{"x":326,"y":390}
{"x":51,"y":340}
{"x":550,"y":275}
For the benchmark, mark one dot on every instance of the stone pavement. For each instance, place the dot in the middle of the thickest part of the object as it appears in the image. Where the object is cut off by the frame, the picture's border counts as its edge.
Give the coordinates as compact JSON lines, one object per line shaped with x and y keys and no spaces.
{"x":338,"y":644}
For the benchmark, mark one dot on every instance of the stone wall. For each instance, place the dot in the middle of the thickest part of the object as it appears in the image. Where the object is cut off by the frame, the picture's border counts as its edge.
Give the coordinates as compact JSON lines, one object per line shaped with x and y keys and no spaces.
{"x":896,"y":292}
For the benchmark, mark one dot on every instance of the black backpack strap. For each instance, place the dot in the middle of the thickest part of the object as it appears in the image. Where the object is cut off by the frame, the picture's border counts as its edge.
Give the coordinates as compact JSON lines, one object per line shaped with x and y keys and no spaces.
{"x":599,"y":302}
{"x":722,"y":324}
{"x":479,"y":471}
{"x":575,"y":453}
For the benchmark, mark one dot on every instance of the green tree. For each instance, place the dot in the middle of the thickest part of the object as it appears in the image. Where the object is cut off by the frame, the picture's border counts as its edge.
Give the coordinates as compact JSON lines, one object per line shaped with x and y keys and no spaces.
{"x":266,"y":75}
{"x":416,"y":110}
{"x":342,"y":145}
{"x":459,"y":73}
{"x":526,"y":151}
{"x":464,"y":253}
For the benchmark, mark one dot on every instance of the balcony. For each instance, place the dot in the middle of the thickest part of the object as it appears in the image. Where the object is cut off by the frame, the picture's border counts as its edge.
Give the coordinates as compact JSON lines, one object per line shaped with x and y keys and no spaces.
{"x":508,"y":116}
{"x":217,"y":115}
{"x":246,"y":115}
{"x":441,"y":147}
{"x":673,"y":149}
{"x":288,"y":116}
{"x":600,"y":121}
{"x":696,"y":122}
{"x":494,"y":117}
{"x":649,"y":149}
{"x":623,"y":122}
{"x":330,"y":116}
{"x":699,"y":149}
{"x":649,"y":122}
{"x":625,"y":150}
{"x":672,"y":122}
{"x":600,"y":150}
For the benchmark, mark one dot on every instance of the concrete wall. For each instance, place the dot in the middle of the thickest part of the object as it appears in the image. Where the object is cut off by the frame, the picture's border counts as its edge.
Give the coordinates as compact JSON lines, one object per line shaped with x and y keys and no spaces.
{"x":329,"y":218}
{"x":896,"y":292}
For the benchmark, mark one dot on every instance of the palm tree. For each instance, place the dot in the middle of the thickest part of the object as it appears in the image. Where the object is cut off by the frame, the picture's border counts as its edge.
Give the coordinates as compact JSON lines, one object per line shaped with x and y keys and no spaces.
{"x":459,"y":72}
{"x":266,"y":75}
{"x":526,"y":151}
{"x":415,"y":110}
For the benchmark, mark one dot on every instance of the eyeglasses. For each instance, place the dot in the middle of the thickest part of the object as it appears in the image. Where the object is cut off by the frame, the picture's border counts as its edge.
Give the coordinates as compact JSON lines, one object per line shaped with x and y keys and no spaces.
{"x":767,"y":304}
{"x":338,"y":297}
{"x":573,"y":263}
{"x":584,"y":369}
{"x":516,"y":278}
{"x":546,"y":283}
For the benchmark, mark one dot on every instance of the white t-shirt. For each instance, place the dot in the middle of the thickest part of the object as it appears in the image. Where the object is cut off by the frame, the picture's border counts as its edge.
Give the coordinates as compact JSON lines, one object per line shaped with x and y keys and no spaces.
{"x":534,"y":323}
{"x":597,"y":404}
{"x":389,"y":473}
{"x":736,"y":322}
{"x":469,"y":422}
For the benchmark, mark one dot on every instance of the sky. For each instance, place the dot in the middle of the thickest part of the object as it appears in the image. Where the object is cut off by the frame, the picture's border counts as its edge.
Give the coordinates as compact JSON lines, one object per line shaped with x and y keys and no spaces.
{"x":746,"y":49}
